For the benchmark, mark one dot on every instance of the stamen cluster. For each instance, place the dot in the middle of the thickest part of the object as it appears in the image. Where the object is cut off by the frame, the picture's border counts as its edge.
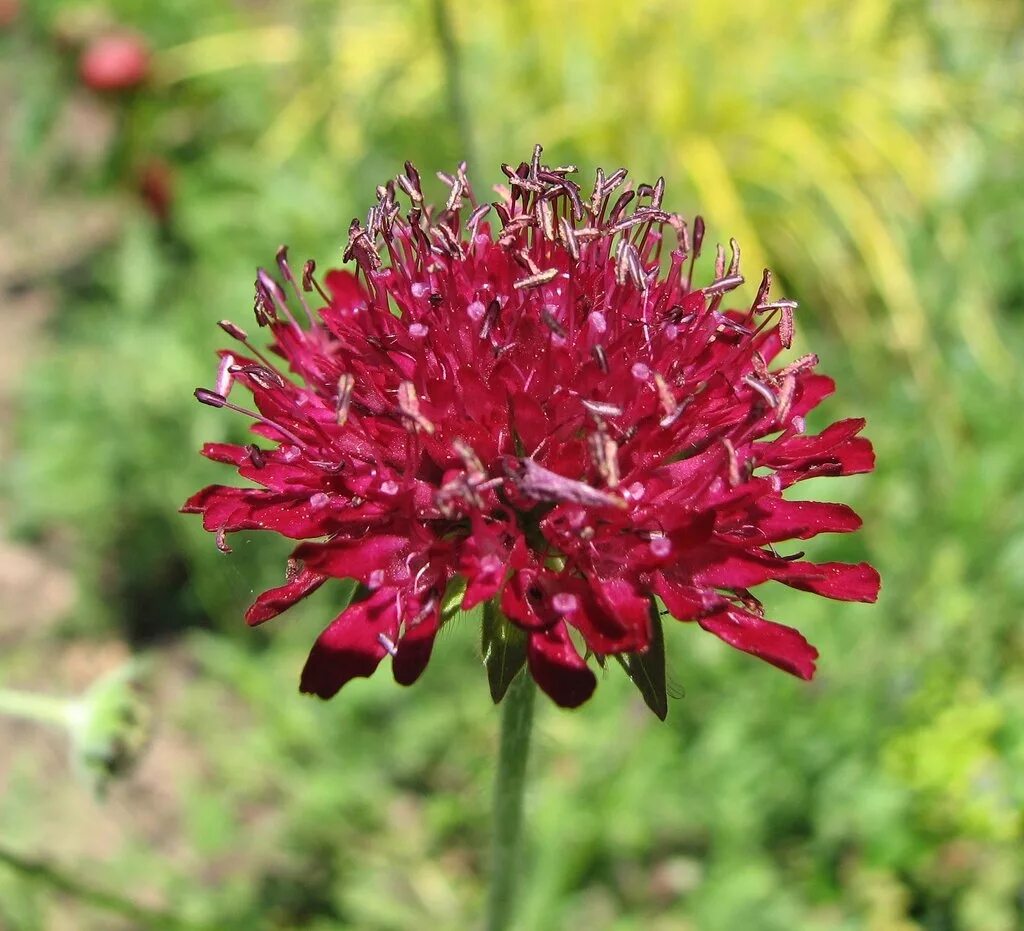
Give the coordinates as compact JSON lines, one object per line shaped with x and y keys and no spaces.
{"x":529,"y":404}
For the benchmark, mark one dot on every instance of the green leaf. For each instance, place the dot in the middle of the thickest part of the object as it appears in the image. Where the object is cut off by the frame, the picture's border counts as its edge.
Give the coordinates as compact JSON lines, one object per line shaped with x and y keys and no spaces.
{"x":504,"y":647}
{"x":647,"y":669}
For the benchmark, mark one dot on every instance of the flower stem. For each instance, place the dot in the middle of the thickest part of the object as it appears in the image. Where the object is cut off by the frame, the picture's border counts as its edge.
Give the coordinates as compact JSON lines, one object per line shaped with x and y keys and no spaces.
{"x":450,"y":53}
{"x":67,"y":883}
{"x":516,"y":723}
{"x":46,"y":709}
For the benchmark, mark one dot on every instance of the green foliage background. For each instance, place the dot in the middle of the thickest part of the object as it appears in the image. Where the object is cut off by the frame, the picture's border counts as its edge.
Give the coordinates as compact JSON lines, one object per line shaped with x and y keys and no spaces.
{"x":868,"y":151}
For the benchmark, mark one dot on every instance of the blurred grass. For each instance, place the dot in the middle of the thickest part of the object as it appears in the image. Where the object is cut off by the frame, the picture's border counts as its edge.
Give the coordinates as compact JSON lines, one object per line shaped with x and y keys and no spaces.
{"x":867,"y":151}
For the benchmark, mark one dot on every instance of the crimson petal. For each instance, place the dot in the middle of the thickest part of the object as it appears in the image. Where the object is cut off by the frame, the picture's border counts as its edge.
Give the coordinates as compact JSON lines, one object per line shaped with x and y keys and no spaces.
{"x":774,"y":643}
{"x":229,"y":509}
{"x":558,"y":669}
{"x":799,"y":520}
{"x":839,"y":580}
{"x":415,"y":647}
{"x":271,"y":603}
{"x":357,"y":559}
{"x":352,"y":645}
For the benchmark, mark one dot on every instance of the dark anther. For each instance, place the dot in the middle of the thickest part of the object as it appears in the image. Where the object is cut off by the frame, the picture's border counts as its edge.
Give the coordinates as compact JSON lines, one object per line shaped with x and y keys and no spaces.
{"x":263,"y":376}
{"x":490,"y":318}
{"x":604,"y":453}
{"x":525,"y":184}
{"x":734,"y":264}
{"x":602,"y":408}
{"x":535,"y":161}
{"x":536,"y":280}
{"x":545,"y":218}
{"x":800,"y":365}
{"x":765,"y":287}
{"x":568,"y":237}
{"x":610,"y":183}
{"x":542,"y":484}
{"x":786,"y":327}
{"x":361,"y":248}
{"x":409,"y":406}
{"x":781,"y":304}
{"x":206,"y":396}
{"x":724,"y":284}
{"x":698,"y":235}
{"x":786,"y":393}
{"x":309,"y":283}
{"x":635,"y":220}
{"x":762,"y":390}
{"x":675,"y":315}
{"x":307,"y":275}
{"x":256,"y":456}
{"x":733,"y":326}
{"x":410,"y":190}
{"x":222,"y":542}
{"x":476,"y":216}
{"x":263,"y":305}
{"x":235,"y":332}
{"x":413,"y":176}
{"x":598,"y":193}
{"x":282,"y":263}
{"x":571,"y":190}
{"x":346,"y":383}
{"x":503,"y":214}
{"x":446,"y":240}
{"x":551,"y":323}
{"x":627,"y":265}
{"x":682,"y":232}
{"x":620,"y":205}
{"x":657,"y":193}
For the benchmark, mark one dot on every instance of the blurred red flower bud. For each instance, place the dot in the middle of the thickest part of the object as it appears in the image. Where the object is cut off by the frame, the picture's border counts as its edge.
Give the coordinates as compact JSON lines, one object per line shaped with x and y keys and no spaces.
{"x":155,"y":185}
{"x":115,"y":62}
{"x":9,"y":10}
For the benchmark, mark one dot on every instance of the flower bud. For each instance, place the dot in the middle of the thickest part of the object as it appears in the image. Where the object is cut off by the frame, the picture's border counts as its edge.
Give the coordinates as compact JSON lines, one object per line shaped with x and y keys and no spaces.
{"x":110,"y":727}
{"x":115,"y":62}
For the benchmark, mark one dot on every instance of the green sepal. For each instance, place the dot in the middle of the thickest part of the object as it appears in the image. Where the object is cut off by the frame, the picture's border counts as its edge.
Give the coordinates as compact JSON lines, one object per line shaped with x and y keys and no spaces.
{"x":451,"y":601}
{"x":647,"y":669}
{"x":504,"y":649}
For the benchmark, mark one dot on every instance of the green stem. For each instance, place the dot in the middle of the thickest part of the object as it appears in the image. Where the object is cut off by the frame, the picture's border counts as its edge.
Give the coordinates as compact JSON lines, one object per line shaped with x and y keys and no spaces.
{"x":46,"y":709}
{"x":56,"y":880}
{"x":453,"y":79}
{"x":516,"y":723}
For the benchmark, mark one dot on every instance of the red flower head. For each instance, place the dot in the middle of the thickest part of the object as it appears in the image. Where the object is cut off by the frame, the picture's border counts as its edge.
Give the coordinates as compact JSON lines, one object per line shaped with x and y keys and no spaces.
{"x":117,"y":61}
{"x":542,"y":414}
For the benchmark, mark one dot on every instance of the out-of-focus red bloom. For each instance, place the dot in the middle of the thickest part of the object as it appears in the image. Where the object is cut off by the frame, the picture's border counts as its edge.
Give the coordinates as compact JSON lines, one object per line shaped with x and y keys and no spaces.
{"x":530,"y":403}
{"x":155,"y":182}
{"x":9,"y":10}
{"x":115,"y":62}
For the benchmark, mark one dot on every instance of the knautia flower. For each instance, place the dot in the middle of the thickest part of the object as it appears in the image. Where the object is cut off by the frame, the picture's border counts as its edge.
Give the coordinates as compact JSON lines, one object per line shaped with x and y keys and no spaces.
{"x":529,"y":404}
